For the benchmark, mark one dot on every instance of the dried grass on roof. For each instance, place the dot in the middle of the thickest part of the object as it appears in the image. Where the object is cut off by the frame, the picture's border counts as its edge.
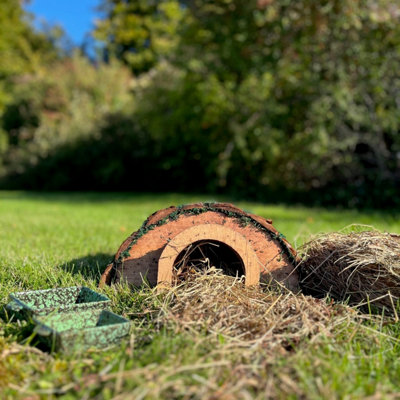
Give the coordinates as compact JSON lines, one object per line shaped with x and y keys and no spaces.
{"x":360,"y":267}
{"x":210,"y":301}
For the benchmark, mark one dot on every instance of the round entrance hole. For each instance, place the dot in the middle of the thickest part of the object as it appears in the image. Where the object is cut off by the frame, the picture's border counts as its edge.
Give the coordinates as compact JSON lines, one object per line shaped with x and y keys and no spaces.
{"x":204,"y":254}
{"x":239,"y":259}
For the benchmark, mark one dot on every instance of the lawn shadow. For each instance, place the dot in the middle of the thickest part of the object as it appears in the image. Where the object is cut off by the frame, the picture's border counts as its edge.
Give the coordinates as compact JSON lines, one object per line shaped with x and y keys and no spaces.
{"x":90,"y":266}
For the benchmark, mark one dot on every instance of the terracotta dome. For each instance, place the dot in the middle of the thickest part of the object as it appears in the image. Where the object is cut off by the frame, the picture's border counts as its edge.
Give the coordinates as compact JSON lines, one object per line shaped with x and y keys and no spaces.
{"x":245,"y":244}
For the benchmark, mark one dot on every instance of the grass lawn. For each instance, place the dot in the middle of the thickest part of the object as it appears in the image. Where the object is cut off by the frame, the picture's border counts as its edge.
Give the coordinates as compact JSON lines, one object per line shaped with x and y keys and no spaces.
{"x":59,"y":240}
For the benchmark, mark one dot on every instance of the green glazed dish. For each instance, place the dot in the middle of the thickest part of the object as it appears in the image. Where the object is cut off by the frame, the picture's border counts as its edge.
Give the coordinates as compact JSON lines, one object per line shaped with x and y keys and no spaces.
{"x":42,"y":302}
{"x":74,"y":331}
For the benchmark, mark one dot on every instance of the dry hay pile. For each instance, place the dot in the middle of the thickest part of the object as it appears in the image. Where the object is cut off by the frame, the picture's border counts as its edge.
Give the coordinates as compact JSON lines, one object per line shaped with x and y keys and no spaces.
{"x":360,"y":267}
{"x":210,"y":301}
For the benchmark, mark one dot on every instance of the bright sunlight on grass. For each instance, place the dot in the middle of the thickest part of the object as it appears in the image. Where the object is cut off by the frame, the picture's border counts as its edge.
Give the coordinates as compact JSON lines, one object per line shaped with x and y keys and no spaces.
{"x":58,"y":240}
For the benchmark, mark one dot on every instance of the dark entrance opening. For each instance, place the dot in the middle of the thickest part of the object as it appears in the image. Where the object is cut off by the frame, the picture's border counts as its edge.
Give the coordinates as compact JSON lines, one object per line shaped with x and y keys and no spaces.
{"x":205,"y":254}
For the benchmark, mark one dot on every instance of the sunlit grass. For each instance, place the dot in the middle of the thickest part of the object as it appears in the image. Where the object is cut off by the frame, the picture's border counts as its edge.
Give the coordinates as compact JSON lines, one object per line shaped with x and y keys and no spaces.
{"x":50,"y":240}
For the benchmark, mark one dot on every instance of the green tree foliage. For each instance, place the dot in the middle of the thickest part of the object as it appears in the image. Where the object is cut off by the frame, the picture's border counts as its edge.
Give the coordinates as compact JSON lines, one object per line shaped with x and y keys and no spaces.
{"x":139,"y":32}
{"x":23,"y":51}
{"x":299,"y":96}
{"x":60,"y":108}
{"x":273,"y":99}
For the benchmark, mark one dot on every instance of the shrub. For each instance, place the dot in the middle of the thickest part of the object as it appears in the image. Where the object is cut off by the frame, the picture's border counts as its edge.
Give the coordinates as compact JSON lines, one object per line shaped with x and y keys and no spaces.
{"x":60,"y":108}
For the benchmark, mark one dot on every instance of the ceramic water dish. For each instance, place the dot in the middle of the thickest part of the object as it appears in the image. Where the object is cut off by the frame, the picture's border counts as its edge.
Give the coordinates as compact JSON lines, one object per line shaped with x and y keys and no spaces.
{"x":42,"y":302}
{"x":81,"y":330}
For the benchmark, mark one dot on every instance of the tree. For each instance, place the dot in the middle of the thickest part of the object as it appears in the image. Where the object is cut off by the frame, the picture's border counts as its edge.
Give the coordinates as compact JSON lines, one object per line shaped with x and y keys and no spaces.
{"x":139,"y":32}
{"x":23,"y":51}
{"x":257,"y":97}
{"x":313,"y":85}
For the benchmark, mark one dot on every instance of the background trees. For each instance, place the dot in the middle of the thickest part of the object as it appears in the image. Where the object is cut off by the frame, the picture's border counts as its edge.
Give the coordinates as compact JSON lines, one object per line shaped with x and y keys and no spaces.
{"x":140,"y":32}
{"x":264,"y":98}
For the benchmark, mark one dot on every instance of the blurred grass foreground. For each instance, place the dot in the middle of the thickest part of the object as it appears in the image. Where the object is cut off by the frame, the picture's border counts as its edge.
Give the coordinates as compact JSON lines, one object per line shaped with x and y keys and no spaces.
{"x":263,"y":99}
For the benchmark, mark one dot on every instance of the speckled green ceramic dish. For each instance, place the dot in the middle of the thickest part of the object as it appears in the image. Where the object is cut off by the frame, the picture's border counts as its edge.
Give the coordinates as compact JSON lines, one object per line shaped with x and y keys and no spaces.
{"x":42,"y":302}
{"x":81,"y":330}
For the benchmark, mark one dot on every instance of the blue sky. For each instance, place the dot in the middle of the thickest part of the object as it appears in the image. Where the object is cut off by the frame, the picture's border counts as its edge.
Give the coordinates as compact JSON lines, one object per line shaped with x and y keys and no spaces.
{"x":75,"y":16}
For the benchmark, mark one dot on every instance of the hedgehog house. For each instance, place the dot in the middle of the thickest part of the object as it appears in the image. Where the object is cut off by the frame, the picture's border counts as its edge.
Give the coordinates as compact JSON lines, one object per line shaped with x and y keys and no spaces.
{"x":229,"y":238}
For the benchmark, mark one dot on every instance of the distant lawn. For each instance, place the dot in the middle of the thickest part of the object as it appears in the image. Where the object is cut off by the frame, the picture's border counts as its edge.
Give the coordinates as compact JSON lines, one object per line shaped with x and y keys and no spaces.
{"x":57,"y":240}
